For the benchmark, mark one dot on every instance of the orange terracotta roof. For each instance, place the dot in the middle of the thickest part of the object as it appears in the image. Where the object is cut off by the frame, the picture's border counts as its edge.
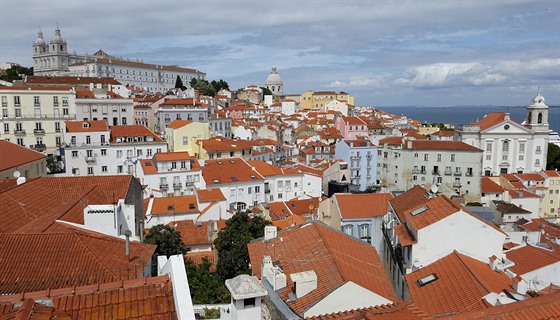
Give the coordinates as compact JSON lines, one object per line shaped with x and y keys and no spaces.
{"x":86,"y":126}
{"x":85,"y":94}
{"x":291,"y":221}
{"x":13,"y":155}
{"x":530,"y":176}
{"x":529,"y":258}
{"x":436,"y":209}
{"x":176,"y":124}
{"x":550,"y":229}
{"x":173,"y":156}
{"x":404,"y":235}
{"x":408,"y":200}
{"x":444,"y":133}
{"x":491,"y":120}
{"x":174,"y":205}
{"x":361,"y":206}
{"x":442,"y":145}
{"x":45,"y":200}
{"x":229,"y":171}
{"x":224,"y":144}
{"x":460,"y":285}
{"x":143,"y":298}
{"x":148,"y":166}
{"x":209,"y":195}
{"x":518,"y":194}
{"x":542,"y":307}
{"x":391,"y":141}
{"x":36,"y":88}
{"x":32,"y":262}
{"x":171,"y":102}
{"x":132,"y":131}
{"x":353,"y":121}
{"x":487,"y":185}
{"x":267,"y":170}
{"x":551,"y":173}
{"x":6,"y":184}
{"x":400,"y":310}
{"x":199,"y":256}
{"x":335,"y":257}
{"x":191,"y":233}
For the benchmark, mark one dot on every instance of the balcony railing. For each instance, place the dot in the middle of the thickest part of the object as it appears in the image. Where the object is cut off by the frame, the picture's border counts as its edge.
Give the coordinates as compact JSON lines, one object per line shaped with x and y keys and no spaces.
{"x":266,"y":190}
{"x":456,"y":184}
{"x":39,"y":147}
{"x":469,"y":174}
{"x":19,"y":132}
{"x":447,"y":172}
{"x":39,"y":131}
{"x":90,"y":159}
{"x":415,"y":171}
{"x":435,"y":172}
{"x":163,"y":186}
{"x":177,"y":185}
{"x":457,"y":173}
{"x":42,"y":116}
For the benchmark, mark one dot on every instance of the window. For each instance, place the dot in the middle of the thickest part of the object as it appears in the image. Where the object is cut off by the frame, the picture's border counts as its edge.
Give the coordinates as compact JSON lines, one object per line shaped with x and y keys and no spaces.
{"x":522,"y":147}
{"x":505,"y":146}
{"x":452,"y":157}
{"x":185,"y":140}
{"x":538,"y":150}
{"x":257,"y":189}
{"x":103,"y":152}
{"x":88,"y":139}
{"x":74,"y":154}
{"x":119,"y":153}
{"x":347,"y":229}
{"x":439,"y":157}
{"x":280,"y":184}
{"x":89,"y":153}
{"x":149,"y":152}
{"x":20,"y":141}
{"x":426,"y":157}
{"x":4,"y":113}
{"x":16,"y":100}
{"x":55,"y":101}
{"x":90,"y":170}
{"x":18,"y":112}
{"x":249,"y":302}
{"x":6,"y":128}
{"x":537,"y":162}
{"x":489,"y":147}
{"x":104,"y":169}
{"x":363,"y":231}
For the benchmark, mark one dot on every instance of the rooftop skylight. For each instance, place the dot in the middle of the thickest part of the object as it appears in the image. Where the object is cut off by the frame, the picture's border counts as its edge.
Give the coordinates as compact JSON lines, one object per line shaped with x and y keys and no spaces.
{"x":427,"y":279}
{"x":419,"y":210}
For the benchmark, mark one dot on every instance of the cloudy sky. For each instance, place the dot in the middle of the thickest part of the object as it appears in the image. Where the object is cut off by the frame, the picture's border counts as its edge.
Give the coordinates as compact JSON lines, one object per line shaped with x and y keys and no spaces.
{"x":384,"y":53}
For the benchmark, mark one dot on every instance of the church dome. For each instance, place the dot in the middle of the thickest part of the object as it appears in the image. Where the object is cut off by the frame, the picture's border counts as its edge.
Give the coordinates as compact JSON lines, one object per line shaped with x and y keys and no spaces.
{"x":273,"y":78}
{"x":57,"y":37}
{"x":39,"y":41}
{"x":538,"y":99}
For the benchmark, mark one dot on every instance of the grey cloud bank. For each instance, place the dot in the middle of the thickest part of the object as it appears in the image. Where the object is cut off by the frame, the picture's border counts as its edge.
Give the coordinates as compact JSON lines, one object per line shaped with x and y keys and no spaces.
{"x":383,"y":52}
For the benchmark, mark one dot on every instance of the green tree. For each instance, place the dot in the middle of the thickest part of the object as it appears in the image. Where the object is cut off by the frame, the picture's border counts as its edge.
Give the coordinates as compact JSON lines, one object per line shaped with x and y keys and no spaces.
{"x":16,"y":73}
{"x":231,"y":243}
{"x":266,"y":91}
{"x":206,"y":287}
{"x":553,"y":157}
{"x":179,"y":84}
{"x":53,"y":165}
{"x":208,"y":88}
{"x":168,"y":242}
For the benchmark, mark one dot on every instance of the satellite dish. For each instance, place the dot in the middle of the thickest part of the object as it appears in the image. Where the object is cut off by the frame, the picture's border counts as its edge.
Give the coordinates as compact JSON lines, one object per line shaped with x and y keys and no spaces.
{"x":16,"y":174}
{"x":434,"y":189}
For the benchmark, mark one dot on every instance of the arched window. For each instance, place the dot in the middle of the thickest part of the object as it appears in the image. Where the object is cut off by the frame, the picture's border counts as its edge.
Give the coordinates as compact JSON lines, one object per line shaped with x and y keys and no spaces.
{"x":530,"y":117}
{"x":505,"y":146}
{"x":272,"y":89}
{"x":539,"y":118}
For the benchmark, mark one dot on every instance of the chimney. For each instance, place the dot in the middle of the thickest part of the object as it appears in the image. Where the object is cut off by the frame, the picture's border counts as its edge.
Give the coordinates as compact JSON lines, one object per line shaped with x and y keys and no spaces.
{"x":270,"y":232}
{"x":273,"y":274}
{"x":304,"y":282}
{"x":128,"y":233}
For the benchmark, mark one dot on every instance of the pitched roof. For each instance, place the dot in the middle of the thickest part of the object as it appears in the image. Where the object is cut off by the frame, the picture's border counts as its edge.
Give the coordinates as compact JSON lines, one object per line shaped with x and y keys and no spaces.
{"x":434,"y":209}
{"x":173,"y":205}
{"x":360,"y":206}
{"x":539,"y":308}
{"x":68,"y":80}
{"x":13,"y":155}
{"x":176,"y":124}
{"x":44,"y":200}
{"x":447,"y":145}
{"x":509,"y":208}
{"x":491,"y":120}
{"x":487,"y":185}
{"x":228,"y":171}
{"x":400,"y":310}
{"x":132,"y":131}
{"x":86,"y":126}
{"x":209,"y":195}
{"x":224,"y":144}
{"x":143,"y":298}
{"x":409,"y":199}
{"x":335,"y":257}
{"x":267,"y":170}
{"x":460,"y":284}
{"x":530,"y":258}
{"x":174,"y":156}
{"x":32,"y":262}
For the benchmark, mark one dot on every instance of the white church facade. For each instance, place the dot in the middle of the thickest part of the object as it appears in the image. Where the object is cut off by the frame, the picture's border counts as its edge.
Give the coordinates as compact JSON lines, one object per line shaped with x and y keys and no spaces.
{"x":509,"y":146}
{"x":53,"y":59}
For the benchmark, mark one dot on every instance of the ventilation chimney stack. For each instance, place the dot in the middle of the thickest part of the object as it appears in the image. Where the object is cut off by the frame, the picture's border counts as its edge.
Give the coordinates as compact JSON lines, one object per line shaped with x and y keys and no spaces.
{"x":128,"y":233}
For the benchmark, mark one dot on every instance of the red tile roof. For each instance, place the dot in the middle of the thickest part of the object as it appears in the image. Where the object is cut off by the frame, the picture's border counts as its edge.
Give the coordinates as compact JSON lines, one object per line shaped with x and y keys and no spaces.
{"x":539,"y":308}
{"x":13,"y":155}
{"x":32,"y":262}
{"x":518,"y":194}
{"x":176,"y":124}
{"x":335,"y":257}
{"x":228,"y":171}
{"x":404,"y":235}
{"x":408,"y":200}
{"x":144,"y":298}
{"x":400,"y":310}
{"x":44,"y":200}
{"x":491,"y":120}
{"x":132,"y":131}
{"x":447,"y":145}
{"x":487,"y":185}
{"x":199,"y":256}
{"x":391,"y":141}
{"x":224,"y":144}
{"x":68,"y":80}
{"x":267,"y":170}
{"x":361,"y":206}
{"x":191,"y":233}
{"x":209,"y":195}
{"x":86,"y":126}
{"x":173,"y":156}
{"x":529,"y":258}
{"x":174,"y":205}
{"x":460,"y":285}
{"x":437,"y":208}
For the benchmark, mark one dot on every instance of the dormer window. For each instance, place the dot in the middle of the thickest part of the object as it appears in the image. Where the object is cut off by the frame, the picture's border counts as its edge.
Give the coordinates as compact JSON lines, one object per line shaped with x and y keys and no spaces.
{"x":85,"y":125}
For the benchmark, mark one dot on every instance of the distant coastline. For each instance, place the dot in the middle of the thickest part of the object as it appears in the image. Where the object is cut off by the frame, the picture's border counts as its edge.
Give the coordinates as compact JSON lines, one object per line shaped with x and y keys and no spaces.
{"x":462,"y":114}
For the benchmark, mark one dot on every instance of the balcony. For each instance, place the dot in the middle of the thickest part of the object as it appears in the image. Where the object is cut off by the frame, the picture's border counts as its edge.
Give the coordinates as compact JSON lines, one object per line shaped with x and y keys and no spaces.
{"x":456,"y":184}
{"x":90,"y":159}
{"x":39,"y":147}
{"x":448,"y":172}
{"x":39,"y":132}
{"x":57,"y":130}
{"x":435,"y":172}
{"x":163,"y":186}
{"x":266,"y":190}
{"x":189,"y":183}
{"x":457,"y":173}
{"x":19,"y":132}
{"x":468,"y":174}
{"x":415,"y":171}
{"x":177,"y":185}
{"x":423,"y":172}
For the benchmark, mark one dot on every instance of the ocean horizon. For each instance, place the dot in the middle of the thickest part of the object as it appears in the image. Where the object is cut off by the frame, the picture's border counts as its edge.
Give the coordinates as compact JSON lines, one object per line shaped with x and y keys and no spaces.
{"x":462,"y":114}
